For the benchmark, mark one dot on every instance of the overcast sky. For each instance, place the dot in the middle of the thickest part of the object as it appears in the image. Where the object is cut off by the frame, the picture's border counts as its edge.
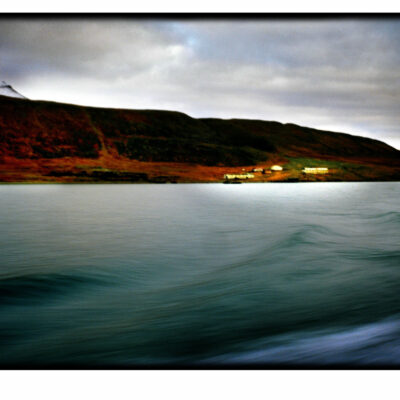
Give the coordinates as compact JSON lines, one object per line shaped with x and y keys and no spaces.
{"x":341,"y":75}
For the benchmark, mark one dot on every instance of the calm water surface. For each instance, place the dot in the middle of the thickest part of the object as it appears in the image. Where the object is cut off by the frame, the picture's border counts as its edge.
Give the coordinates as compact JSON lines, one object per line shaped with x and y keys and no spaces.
{"x":200,"y":275}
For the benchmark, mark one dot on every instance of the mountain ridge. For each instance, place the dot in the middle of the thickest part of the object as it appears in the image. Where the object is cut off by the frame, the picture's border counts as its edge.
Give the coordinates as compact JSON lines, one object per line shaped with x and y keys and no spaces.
{"x":8,"y":91}
{"x":93,"y":144}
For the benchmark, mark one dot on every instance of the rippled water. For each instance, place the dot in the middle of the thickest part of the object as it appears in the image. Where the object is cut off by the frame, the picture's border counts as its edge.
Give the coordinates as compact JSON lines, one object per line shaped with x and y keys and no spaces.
{"x":202,"y":275}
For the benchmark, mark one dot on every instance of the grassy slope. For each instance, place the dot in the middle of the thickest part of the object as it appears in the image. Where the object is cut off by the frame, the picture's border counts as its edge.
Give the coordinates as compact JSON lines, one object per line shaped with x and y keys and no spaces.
{"x":46,"y":141}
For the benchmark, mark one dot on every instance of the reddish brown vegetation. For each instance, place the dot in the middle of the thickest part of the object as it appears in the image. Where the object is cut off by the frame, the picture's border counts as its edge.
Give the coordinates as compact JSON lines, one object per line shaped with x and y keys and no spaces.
{"x":51,"y":142}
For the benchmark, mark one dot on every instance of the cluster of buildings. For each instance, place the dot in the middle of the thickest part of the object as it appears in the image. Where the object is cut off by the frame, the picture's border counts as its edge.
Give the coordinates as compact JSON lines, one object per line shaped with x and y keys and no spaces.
{"x":249,"y":175}
{"x":275,"y":168}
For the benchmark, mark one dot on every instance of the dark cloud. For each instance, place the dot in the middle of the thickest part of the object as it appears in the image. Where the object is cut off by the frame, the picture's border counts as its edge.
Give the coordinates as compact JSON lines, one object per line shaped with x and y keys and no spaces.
{"x":332,"y":74}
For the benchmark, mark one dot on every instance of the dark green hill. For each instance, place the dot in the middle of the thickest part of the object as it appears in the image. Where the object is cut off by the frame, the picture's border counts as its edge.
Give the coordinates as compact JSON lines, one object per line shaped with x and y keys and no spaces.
{"x":46,"y":130}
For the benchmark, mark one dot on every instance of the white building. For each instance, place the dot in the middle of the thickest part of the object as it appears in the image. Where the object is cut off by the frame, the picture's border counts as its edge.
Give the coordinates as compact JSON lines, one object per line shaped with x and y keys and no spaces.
{"x":238,"y":176}
{"x":276,"y":168}
{"x":316,"y":170}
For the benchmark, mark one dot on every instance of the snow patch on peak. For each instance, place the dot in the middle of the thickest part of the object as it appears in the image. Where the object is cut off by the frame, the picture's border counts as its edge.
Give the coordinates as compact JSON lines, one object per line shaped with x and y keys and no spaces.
{"x":8,"y":90}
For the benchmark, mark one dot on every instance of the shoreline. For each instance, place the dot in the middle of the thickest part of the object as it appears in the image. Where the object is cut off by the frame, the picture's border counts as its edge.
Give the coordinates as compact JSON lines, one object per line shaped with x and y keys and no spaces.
{"x":180,"y":183}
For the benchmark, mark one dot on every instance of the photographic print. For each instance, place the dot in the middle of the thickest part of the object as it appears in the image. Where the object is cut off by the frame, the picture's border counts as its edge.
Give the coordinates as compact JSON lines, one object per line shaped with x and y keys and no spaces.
{"x":199,"y":191}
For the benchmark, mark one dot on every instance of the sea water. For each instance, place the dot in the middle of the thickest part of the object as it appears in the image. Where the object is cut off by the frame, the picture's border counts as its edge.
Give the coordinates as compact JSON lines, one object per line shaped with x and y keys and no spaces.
{"x":200,"y":275}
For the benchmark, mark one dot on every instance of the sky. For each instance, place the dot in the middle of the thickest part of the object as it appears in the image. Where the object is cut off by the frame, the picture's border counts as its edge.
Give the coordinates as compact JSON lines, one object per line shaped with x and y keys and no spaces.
{"x":333,"y":74}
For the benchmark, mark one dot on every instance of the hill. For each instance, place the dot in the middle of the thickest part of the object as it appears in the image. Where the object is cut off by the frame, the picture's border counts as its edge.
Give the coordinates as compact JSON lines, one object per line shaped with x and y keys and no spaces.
{"x":43,"y":141}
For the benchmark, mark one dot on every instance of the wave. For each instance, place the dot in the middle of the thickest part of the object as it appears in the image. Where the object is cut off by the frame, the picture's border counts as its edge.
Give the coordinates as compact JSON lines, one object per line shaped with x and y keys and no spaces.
{"x":308,"y":234}
{"x":37,"y":287}
{"x":373,"y":345}
{"x":392,"y":216}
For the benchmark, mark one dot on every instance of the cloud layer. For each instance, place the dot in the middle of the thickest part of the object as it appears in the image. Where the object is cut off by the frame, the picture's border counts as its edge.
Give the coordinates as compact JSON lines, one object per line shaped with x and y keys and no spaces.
{"x":331,"y":74}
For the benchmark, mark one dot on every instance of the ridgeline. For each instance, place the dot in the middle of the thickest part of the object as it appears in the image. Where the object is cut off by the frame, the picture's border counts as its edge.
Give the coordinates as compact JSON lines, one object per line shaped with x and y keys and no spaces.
{"x":42,"y":141}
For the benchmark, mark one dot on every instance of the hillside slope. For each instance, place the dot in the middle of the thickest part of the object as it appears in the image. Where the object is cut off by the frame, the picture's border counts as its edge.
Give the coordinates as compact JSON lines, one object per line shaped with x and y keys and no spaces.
{"x":47,"y":141}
